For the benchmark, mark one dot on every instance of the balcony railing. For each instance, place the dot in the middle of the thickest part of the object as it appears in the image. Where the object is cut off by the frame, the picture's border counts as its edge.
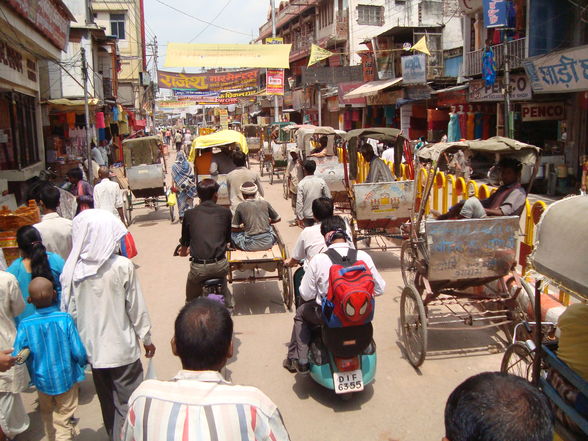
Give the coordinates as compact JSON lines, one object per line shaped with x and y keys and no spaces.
{"x":516,"y":52}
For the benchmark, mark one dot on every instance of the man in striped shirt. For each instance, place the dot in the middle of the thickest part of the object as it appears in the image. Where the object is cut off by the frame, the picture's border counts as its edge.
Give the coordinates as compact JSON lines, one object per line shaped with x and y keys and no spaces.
{"x":198,"y":404}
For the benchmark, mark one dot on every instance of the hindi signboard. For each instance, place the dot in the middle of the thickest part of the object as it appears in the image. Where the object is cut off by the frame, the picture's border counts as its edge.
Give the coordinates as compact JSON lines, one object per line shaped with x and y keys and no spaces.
{"x":562,"y":71}
{"x":496,"y":13}
{"x":218,"y":81}
{"x":275,"y":82}
{"x":384,"y":200}
{"x":519,"y":85}
{"x":414,"y":69}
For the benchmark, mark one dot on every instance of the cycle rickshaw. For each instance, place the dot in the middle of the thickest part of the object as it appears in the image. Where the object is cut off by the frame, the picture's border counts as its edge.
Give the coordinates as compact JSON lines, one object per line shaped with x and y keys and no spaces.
{"x":557,"y":262}
{"x":459,"y":272}
{"x":378,"y":210}
{"x":273,"y":157}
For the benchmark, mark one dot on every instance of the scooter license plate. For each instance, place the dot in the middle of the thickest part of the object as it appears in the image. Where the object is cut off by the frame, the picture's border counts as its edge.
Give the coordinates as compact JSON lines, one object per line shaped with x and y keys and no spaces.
{"x":347,"y":382}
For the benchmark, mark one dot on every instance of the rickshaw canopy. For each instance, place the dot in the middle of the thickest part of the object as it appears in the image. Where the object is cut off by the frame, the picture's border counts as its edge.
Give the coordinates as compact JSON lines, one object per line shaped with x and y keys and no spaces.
{"x":305,"y":133}
{"x":220,"y":139}
{"x":526,"y":153}
{"x":561,"y":244}
{"x":138,"y":151}
{"x":383,"y":134}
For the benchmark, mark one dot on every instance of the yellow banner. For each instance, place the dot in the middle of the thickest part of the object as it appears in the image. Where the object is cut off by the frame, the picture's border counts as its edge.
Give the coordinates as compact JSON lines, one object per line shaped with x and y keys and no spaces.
{"x":317,"y":54}
{"x":228,"y":55}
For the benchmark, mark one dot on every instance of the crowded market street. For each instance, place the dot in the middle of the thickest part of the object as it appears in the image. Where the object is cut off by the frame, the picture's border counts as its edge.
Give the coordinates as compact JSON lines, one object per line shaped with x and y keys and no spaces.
{"x":402,"y":403}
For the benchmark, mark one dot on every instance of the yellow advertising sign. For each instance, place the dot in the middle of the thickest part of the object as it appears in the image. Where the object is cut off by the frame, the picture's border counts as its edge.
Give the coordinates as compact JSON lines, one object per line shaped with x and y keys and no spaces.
{"x":228,"y":55}
{"x":274,"y":40}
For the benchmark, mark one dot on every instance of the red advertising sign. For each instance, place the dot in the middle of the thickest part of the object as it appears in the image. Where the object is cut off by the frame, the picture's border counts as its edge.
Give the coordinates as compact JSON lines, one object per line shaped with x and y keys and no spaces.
{"x":543,"y":111}
{"x":275,"y":82}
{"x":50,"y":17}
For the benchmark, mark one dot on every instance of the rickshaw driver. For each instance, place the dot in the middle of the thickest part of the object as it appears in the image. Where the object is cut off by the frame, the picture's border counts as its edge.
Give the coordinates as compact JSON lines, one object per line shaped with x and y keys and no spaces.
{"x":508,"y":200}
{"x":321,"y":150}
{"x":222,"y":160}
{"x":379,"y":171}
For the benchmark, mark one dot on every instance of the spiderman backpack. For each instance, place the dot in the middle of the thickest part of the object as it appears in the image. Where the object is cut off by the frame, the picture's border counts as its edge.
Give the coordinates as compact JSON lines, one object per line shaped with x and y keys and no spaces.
{"x":350,"y":299}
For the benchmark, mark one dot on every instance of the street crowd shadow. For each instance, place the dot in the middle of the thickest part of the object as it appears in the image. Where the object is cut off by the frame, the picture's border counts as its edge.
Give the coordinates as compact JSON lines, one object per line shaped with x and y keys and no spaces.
{"x":227,"y":373}
{"x":144,"y":214}
{"x":305,"y":388}
{"x":384,"y":260}
{"x":258,"y":298}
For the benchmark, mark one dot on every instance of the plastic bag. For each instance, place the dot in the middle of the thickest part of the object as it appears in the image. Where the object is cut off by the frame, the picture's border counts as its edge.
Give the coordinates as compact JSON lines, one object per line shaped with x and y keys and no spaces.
{"x":171,"y":199}
{"x":150,"y":374}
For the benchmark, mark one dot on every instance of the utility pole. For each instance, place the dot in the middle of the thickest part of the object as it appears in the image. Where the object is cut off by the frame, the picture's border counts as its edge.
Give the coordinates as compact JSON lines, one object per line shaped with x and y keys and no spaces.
{"x":320,"y":105}
{"x":508,"y":129}
{"x":87,"y":117}
{"x":154,"y":81}
{"x":276,"y":107}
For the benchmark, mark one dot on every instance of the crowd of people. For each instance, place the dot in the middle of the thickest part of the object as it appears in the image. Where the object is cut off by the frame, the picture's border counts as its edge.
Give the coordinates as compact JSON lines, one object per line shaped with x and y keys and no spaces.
{"x":73,"y":302}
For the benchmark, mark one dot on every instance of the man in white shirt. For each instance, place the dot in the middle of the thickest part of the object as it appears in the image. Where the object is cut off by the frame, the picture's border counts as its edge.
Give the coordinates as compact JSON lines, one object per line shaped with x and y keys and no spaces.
{"x":101,"y":291}
{"x":388,"y":154}
{"x":311,"y":187}
{"x":314,"y":287}
{"x":55,"y":230}
{"x":97,"y":155}
{"x":209,"y":406}
{"x":238,"y":177}
{"x":108,"y":195}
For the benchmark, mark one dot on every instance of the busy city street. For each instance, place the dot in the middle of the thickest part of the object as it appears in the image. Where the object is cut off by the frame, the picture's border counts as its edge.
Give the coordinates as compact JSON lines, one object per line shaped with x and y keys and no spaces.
{"x":293,"y":220}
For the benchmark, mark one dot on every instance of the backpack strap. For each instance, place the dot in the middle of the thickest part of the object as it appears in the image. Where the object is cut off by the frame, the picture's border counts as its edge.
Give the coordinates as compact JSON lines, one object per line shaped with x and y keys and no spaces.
{"x":337,"y":259}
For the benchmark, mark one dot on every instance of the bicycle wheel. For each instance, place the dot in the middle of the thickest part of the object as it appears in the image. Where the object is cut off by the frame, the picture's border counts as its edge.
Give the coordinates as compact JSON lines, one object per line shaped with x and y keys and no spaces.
{"x":518,"y":360}
{"x":408,"y":260}
{"x":413,"y":322}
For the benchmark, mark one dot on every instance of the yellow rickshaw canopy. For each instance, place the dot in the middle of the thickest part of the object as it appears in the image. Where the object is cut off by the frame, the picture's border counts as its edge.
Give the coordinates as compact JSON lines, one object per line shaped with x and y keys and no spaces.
{"x":218,"y":139}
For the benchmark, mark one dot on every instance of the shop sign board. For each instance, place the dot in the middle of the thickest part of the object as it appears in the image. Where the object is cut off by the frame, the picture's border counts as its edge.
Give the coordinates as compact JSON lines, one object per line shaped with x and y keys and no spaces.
{"x":333,"y":104}
{"x":331,"y":75}
{"x":495,"y":13}
{"x":470,"y":6}
{"x":562,"y":71}
{"x":219,"y":81}
{"x":48,"y":17}
{"x":414,"y":69}
{"x":418,"y":92}
{"x":275,"y":82}
{"x":345,"y":88}
{"x":224,"y":118}
{"x":385,"y":98}
{"x":519,"y":84}
{"x":543,"y":111}
{"x":15,"y":67}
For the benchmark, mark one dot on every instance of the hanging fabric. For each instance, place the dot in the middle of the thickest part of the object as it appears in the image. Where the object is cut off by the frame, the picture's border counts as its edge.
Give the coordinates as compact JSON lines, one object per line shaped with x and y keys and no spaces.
{"x":488,"y":67}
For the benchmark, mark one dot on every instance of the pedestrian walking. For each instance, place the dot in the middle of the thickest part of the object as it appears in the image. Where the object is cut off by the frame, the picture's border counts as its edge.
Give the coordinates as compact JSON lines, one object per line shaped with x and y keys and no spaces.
{"x":35,"y":261}
{"x":81,"y":189}
{"x":102,"y":293}
{"x":183,"y":180}
{"x":56,"y":361}
{"x":55,"y":230}
{"x":311,"y":187}
{"x":108,"y":195}
{"x":206,"y":231}
{"x":209,"y":406}
{"x":13,"y":378}
{"x":178,"y":140}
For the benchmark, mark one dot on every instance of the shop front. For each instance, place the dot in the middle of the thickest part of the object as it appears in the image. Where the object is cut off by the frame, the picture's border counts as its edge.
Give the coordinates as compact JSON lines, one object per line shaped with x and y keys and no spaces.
{"x":30,"y":39}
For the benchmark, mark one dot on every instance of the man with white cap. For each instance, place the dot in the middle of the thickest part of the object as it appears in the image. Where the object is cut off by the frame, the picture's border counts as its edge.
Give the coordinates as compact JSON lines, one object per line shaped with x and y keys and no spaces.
{"x":101,"y":291}
{"x":252,"y":221}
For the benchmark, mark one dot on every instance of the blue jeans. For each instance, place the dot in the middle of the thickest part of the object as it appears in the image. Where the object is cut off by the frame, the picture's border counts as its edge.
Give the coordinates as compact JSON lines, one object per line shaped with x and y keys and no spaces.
{"x":258,"y":242}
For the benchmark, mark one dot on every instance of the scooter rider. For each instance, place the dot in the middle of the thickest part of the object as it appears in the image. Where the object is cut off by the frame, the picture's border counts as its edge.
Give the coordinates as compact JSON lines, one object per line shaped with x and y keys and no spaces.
{"x":314,"y":287}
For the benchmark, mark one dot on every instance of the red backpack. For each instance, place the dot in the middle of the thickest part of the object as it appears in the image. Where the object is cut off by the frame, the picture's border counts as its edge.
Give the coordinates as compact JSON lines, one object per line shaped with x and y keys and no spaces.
{"x":350,"y":299}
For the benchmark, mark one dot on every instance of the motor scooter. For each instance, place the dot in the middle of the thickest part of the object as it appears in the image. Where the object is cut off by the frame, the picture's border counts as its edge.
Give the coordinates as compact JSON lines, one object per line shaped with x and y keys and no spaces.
{"x":343,"y":359}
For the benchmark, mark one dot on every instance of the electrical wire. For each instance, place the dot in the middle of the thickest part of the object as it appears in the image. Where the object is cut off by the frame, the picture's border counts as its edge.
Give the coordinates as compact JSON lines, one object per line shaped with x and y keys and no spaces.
{"x":213,"y":20}
{"x":202,"y":21}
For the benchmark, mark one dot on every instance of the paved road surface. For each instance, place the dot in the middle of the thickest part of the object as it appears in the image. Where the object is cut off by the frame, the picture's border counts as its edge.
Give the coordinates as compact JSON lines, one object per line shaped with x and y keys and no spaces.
{"x":402,"y":404}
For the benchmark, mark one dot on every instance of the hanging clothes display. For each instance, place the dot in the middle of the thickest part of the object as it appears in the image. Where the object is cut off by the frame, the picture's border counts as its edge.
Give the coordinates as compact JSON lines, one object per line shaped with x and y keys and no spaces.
{"x":478,"y":125}
{"x":463,"y":122}
{"x":453,"y":130}
{"x":471,"y":126}
{"x":488,"y":67}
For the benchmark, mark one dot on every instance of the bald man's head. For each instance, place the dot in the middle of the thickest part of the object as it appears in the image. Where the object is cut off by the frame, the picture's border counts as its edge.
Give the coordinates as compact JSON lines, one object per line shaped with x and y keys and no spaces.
{"x":41,"y":292}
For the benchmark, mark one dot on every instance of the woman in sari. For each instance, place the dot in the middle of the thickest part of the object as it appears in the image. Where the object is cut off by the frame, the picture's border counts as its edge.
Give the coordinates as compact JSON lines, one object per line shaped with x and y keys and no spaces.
{"x":183,"y":180}
{"x":81,"y":189}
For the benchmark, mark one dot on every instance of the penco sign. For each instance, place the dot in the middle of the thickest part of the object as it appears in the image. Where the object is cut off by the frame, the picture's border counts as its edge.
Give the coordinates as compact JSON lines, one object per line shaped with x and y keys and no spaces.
{"x":543,"y":111}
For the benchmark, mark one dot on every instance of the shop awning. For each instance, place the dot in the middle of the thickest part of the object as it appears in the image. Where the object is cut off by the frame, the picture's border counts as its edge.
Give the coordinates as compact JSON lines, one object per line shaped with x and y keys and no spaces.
{"x":67,"y":103}
{"x":372,"y":88}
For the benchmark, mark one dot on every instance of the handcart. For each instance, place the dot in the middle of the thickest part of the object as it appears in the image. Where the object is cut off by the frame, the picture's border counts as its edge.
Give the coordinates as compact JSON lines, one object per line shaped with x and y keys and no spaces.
{"x":253,"y":266}
{"x":557,"y":263}
{"x":378,"y":210}
{"x":273,"y":158}
{"x":460,"y":271}
{"x":145,"y":176}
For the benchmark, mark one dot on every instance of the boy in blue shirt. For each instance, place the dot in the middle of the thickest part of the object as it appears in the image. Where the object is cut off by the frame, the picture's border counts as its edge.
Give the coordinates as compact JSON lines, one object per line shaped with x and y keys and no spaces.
{"x":56,"y":361}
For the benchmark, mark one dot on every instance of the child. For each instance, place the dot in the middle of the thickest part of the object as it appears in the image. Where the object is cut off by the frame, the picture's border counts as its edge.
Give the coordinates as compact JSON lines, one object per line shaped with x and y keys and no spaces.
{"x":56,"y":361}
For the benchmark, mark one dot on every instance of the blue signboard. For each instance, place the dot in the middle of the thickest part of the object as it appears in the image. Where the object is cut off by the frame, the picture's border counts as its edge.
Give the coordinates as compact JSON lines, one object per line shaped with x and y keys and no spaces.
{"x":496,"y":13}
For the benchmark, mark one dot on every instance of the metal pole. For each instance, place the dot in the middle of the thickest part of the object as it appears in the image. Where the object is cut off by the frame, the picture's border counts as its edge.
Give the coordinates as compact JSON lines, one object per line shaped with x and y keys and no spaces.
{"x":87,"y":117}
{"x":320,"y":106}
{"x":276,"y":106}
{"x":507,"y":125}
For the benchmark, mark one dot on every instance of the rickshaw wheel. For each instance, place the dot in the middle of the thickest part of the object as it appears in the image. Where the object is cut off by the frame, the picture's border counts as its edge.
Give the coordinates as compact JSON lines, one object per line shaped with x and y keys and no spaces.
{"x":172,"y":216}
{"x":518,"y":360}
{"x":408,"y":260}
{"x":413,"y":321}
{"x":129,"y":207}
{"x":287,"y":288}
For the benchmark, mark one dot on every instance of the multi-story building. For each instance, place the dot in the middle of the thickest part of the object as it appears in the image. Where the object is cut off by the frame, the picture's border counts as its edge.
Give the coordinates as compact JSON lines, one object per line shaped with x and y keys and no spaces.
{"x":28,"y":35}
{"x":124,"y":20}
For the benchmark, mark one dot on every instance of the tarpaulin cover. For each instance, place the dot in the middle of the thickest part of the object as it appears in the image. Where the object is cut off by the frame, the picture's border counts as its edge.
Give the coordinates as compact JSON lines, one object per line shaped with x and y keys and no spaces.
{"x":562,"y":241}
{"x":218,"y":139}
{"x":275,"y":56}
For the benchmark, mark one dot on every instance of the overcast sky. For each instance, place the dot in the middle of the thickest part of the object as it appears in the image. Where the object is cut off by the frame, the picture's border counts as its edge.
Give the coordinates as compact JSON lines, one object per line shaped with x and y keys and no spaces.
{"x":244,"y":16}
